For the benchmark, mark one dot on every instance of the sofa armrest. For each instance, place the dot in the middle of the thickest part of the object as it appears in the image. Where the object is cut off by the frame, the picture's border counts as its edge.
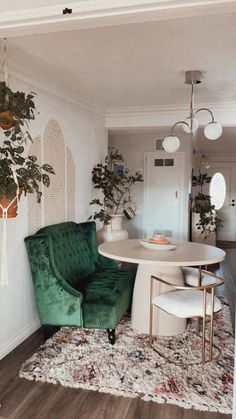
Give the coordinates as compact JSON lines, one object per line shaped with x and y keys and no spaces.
{"x":58,"y":303}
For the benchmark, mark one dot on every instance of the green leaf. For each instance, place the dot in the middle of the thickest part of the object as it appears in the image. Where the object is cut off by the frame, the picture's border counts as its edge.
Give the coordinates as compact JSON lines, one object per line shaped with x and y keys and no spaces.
{"x":96,"y":202}
{"x":7,"y":133}
{"x":18,"y":160}
{"x":19,"y":149}
{"x":39,"y":194}
{"x":22,"y":171}
{"x":46,"y":179}
{"x":48,"y":168}
{"x":33,"y":158}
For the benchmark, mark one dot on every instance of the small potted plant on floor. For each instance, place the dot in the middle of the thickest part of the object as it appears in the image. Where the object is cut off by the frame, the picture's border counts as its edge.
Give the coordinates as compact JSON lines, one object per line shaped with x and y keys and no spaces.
{"x":18,"y":172}
{"x":115,"y":183}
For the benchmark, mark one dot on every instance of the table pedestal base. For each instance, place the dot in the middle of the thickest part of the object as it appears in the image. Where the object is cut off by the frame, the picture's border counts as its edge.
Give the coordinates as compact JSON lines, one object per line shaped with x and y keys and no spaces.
{"x":164,"y":324}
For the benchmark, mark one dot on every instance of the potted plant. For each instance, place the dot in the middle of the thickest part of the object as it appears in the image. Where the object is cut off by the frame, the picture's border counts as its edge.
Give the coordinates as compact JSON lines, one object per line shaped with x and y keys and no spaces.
{"x":18,"y":173}
{"x":115,"y":186}
{"x":201,"y":200}
{"x":16,"y":109}
{"x":207,"y":220}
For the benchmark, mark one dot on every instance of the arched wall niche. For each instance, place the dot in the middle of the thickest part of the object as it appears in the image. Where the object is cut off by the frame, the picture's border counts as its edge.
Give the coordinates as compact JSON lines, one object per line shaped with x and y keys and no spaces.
{"x":58,"y":201}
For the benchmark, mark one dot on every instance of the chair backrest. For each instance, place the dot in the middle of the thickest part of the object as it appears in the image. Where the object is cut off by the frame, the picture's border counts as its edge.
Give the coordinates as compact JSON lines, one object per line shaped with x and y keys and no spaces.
{"x":72,"y":253}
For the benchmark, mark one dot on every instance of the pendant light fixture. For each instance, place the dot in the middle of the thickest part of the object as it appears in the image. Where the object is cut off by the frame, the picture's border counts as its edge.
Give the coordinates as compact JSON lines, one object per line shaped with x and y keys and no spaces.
{"x":212,"y":130}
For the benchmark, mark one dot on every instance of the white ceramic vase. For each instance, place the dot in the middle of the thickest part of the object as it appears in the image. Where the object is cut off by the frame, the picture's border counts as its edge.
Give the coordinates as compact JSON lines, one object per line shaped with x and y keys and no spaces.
{"x":112,"y":231}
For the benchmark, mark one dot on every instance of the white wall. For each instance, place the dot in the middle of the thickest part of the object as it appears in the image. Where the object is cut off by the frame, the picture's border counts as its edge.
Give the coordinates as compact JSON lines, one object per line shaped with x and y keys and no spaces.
{"x":86,"y":137}
{"x":133,"y":145}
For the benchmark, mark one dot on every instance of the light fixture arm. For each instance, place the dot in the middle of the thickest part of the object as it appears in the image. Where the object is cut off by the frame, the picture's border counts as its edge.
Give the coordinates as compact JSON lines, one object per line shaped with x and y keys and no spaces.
{"x":212,"y":131}
{"x":177,"y":123}
{"x":204,"y":109}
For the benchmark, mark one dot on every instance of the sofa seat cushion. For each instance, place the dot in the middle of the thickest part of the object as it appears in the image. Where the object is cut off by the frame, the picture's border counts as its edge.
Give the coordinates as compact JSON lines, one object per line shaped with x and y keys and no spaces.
{"x":106,"y":294}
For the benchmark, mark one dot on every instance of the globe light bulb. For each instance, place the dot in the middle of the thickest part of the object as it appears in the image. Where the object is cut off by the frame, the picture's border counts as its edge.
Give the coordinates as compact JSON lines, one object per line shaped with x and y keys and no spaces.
{"x":213,"y":131}
{"x":171,"y":144}
{"x":195,"y":125}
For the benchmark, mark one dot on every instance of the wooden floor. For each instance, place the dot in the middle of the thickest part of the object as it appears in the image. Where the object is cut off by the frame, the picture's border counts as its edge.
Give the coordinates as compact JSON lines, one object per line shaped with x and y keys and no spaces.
{"x":24,"y":399}
{"x":226,"y":244}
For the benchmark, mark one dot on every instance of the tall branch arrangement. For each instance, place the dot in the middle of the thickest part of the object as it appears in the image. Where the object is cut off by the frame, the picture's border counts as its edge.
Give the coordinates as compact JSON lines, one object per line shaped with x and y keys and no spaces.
{"x":114,"y":186}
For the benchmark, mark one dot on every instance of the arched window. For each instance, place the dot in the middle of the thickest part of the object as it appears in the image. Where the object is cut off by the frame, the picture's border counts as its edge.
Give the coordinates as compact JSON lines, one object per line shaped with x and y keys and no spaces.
{"x":218,"y":190}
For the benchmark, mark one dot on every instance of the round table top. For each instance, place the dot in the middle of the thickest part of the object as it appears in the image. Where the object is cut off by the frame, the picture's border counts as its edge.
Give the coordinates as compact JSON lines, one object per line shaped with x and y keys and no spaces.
{"x":185,"y":254}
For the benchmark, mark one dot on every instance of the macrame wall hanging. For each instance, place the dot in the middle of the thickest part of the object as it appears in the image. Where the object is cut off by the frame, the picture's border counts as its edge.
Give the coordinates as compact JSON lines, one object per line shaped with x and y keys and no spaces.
{"x":8,"y":208}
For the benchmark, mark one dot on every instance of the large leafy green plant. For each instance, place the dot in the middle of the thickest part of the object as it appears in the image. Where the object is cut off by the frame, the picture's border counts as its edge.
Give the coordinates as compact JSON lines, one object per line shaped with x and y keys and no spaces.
{"x":16,"y":169}
{"x":16,"y":109}
{"x":114,"y":186}
{"x":28,"y":172}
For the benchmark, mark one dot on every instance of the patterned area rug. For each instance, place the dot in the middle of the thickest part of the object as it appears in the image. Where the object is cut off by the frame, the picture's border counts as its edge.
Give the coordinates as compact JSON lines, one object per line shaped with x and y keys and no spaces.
{"x":83,"y":358}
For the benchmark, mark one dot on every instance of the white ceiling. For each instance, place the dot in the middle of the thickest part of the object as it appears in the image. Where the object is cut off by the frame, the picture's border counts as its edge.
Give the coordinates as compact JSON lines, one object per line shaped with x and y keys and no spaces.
{"x":137,"y":64}
{"x":132,"y":65}
{"x":9,"y":5}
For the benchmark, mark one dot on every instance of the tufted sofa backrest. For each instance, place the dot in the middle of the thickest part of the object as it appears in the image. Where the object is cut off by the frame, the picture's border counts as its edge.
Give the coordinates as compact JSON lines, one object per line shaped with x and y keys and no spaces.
{"x":71,"y":251}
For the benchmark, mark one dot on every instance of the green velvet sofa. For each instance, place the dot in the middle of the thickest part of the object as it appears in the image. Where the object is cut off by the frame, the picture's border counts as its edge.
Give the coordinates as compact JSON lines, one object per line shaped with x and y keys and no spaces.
{"x":73,"y":284}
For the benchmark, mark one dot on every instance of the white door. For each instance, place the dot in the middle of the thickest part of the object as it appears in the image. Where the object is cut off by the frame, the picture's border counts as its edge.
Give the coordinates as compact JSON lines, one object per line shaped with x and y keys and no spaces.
{"x":227,"y":212}
{"x":163,"y":194}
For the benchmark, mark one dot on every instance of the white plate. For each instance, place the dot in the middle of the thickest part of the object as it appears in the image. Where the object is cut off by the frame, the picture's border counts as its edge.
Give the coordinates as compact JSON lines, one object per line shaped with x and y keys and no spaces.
{"x":158,"y":246}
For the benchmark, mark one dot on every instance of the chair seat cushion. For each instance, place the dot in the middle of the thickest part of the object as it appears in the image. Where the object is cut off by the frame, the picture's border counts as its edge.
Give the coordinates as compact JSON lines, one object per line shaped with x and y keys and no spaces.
{"x":106,"y":294}
{"x":191,"y":277}
{"x":185,"y":303}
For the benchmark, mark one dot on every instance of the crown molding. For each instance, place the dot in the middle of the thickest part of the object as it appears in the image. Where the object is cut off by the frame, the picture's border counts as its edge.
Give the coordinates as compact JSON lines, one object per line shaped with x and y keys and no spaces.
{"x":93,"y":13}
{"x":137,"y":117}
{"x":59,"y":93}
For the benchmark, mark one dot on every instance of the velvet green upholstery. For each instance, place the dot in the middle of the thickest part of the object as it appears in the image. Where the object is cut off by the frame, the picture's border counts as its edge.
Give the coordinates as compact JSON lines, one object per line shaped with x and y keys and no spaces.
{"x":74,"y":285}
{"x":106,"y":297}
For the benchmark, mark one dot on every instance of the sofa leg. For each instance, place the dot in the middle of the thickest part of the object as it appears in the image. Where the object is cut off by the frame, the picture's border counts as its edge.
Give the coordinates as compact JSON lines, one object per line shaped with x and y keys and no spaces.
{"x":49,"y":330}
{"x":111,"y":336}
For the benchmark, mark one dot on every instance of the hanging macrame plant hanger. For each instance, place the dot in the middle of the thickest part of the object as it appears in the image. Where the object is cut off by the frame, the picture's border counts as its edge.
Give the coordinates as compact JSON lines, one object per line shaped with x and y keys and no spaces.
{"x":4,"y":265}
{"x":5,"y":209}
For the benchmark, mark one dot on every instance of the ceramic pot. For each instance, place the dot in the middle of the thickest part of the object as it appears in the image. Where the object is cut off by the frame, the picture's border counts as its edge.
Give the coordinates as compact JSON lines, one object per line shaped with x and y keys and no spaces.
{"x":12,"y":210}
{"x":201,"y":205}
{"x":196,"y":234}
{"x":112,"y":231}
{"x":8,"y":120}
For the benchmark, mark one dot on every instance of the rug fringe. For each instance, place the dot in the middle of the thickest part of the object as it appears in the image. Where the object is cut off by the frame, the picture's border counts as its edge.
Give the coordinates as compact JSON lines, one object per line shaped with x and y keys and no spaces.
{"x":117,"y":393}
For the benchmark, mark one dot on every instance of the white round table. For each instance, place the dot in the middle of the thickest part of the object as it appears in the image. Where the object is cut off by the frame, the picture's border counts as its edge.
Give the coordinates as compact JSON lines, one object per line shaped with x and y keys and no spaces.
{"x":165,"y":265}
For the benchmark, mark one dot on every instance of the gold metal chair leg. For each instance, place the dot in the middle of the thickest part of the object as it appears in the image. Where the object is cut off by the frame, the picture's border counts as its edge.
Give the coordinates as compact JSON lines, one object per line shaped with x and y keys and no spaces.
{"x":151,"y":313}
{"x":211,"y":324}
{"x":204,"y":328}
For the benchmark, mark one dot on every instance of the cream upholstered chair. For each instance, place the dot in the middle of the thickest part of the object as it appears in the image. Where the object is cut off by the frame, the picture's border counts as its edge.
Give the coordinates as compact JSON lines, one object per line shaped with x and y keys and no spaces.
{"x":197,"y":276}
{"x":188,"y":302}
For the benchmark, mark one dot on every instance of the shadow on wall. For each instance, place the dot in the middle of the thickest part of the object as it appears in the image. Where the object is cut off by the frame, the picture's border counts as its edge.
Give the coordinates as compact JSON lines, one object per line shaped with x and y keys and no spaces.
{"x":58,"y":201}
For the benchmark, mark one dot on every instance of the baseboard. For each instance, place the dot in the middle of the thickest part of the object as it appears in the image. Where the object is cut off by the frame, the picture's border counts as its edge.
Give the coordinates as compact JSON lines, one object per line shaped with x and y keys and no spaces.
{"x":17,"y":340}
